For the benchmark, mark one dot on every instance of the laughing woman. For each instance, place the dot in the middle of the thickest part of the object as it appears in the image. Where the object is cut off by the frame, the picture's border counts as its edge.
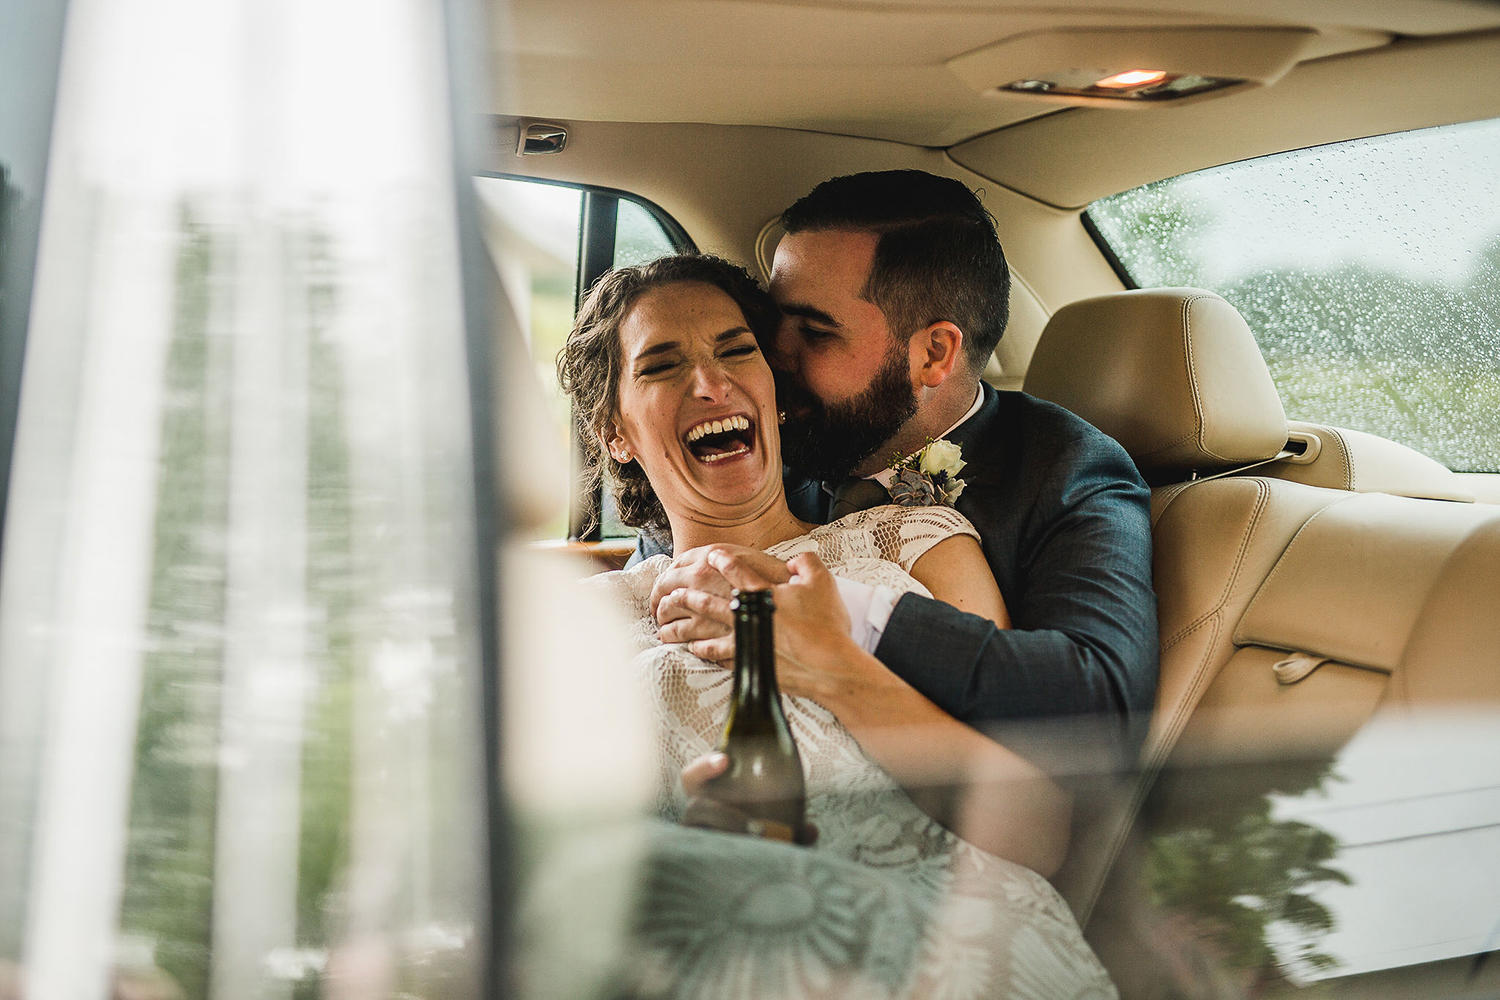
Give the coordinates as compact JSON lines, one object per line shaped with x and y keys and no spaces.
{"x":666,"y":369}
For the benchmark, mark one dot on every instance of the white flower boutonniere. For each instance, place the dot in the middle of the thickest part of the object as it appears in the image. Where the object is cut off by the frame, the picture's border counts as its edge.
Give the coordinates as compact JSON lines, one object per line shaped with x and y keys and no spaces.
{"x":929,"y":476}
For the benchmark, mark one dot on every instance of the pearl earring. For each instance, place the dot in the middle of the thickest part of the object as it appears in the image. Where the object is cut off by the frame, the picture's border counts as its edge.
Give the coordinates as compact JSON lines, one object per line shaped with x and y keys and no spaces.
{"x":781,"y":417}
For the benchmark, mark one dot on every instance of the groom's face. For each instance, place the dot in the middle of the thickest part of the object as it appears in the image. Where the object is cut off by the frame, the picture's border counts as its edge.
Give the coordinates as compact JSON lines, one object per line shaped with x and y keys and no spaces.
{"x":846,"y":383}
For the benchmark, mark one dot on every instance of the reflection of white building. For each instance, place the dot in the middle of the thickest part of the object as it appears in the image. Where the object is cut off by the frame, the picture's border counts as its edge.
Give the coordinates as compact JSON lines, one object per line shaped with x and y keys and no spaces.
{"x":1415,"y":806}
{"x":531,"y":230}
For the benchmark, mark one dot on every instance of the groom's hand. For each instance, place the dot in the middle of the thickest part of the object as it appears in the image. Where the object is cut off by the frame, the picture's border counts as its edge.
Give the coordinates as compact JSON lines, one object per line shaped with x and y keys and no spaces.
{"x":691,"y":597}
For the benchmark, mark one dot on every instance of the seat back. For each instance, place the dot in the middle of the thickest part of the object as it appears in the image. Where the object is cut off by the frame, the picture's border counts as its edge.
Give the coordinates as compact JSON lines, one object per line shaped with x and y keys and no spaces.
{"x":1292,"y":614}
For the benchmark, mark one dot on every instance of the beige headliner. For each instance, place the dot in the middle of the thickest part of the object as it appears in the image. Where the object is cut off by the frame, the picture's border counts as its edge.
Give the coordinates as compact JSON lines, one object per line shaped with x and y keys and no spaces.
{"x":1072,"y":158}
{"x":878,"y":70}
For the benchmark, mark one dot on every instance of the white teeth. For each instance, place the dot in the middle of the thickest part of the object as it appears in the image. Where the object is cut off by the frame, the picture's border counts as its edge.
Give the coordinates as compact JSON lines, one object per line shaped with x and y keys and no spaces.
{"x":736,"y":423}
{"x":728,"y":454}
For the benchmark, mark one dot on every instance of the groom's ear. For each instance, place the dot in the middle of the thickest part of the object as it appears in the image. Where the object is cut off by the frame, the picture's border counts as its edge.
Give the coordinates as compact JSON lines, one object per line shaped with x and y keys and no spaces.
{"x":937,"y":352}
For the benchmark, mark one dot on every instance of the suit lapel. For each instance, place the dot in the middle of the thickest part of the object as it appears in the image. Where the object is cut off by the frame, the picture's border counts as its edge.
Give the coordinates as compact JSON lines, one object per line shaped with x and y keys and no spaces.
{"x":979,"y":437}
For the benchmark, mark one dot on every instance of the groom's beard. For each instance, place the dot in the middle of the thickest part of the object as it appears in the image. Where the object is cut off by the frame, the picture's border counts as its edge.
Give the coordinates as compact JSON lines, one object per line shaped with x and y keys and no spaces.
{"x":827,"y":443}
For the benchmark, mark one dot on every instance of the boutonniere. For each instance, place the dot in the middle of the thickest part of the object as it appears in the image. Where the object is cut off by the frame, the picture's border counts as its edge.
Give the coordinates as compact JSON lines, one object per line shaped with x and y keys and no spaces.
{"x":929,"y":476}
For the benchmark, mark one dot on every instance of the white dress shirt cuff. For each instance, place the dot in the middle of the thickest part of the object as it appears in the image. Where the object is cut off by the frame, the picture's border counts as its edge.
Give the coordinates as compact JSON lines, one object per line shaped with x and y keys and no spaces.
{"x":869,"y":610}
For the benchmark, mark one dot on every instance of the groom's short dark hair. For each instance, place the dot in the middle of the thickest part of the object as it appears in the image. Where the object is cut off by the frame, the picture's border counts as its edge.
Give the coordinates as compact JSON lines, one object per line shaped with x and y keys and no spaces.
{"x":938,"y":258}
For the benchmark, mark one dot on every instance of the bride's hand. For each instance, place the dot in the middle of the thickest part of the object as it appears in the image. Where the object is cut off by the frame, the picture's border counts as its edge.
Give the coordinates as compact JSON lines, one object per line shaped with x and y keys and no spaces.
{"x":815,"y":657}
{"x":704,"y":811}
{"x":691,"y":597}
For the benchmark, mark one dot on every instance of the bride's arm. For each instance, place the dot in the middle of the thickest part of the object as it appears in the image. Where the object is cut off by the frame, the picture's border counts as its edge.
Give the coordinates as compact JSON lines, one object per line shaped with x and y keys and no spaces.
{"x":954,"y":571}
{"x":989,"y":795}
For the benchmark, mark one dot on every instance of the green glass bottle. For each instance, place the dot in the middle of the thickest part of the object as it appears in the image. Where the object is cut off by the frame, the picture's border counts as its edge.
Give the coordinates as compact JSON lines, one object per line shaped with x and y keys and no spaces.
{"x":764,"y":780}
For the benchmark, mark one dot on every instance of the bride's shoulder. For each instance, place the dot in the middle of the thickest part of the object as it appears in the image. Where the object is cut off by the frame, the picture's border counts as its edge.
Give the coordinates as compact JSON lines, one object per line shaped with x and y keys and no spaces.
{"x":892,"y":533}
{"x":904,"y":534}
{"x":631,"y":587}
{"x":936,"y":520}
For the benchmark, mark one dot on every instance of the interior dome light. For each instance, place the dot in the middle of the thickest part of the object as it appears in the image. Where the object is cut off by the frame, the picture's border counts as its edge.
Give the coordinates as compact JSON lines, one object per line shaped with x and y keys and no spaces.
{"x":1132,"y":78}
{"x":1136,"y":86}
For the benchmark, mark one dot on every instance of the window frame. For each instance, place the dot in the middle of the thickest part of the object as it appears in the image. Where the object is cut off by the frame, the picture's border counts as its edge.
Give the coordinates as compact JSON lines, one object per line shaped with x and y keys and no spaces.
{"x":34,"y":38}
{"x":598,"y":219}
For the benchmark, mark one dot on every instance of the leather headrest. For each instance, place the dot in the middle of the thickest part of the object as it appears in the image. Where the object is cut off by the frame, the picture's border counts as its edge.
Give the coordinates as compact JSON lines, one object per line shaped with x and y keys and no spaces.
{"x":1173,"y":374}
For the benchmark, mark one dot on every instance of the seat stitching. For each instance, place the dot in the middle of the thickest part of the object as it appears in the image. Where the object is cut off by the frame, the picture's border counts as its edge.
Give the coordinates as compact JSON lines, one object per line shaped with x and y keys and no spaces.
{"x":1190,"y":435}
{"x":1347,"y":459}
{"x":1178,"y":720}
{"x":1437,"y":581}
{"x":1281,"y":559}
{"x":1151,"y":767}
{"x":1177,"y":490}
{"x":1187,"y":349}
{"x":1263,"y":494}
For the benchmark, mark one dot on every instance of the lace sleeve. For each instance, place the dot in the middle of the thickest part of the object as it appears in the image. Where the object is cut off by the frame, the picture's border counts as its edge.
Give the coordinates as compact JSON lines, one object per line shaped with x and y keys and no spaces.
{"x":904,"y":534}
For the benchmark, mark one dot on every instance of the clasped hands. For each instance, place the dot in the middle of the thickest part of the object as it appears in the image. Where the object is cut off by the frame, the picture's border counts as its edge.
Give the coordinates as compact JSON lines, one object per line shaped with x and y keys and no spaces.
{"x":815,"y":656}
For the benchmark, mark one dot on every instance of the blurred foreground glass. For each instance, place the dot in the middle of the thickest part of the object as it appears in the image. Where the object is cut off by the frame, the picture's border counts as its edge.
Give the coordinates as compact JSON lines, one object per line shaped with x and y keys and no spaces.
{"x":240,"y":749}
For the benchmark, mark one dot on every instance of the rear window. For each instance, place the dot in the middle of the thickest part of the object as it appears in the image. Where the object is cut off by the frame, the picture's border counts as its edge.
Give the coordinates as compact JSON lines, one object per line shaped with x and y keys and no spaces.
{"x":1369,"y":271}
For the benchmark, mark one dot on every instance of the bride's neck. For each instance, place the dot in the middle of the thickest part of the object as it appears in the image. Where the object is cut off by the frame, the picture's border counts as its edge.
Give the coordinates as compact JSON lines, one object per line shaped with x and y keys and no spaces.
{"x":760,"y":531}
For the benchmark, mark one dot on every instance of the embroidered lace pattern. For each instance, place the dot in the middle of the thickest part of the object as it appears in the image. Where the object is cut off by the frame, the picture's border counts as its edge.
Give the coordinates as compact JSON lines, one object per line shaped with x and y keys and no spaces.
{"x":888,"y":903}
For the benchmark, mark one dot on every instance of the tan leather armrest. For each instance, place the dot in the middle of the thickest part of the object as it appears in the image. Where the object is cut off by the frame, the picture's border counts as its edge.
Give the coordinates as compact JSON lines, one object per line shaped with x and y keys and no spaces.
{"x":612,"y":553}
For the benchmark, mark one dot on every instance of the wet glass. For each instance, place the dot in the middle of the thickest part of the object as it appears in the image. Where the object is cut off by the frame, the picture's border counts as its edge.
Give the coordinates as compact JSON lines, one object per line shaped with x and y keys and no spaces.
{"x":1368,"y":270}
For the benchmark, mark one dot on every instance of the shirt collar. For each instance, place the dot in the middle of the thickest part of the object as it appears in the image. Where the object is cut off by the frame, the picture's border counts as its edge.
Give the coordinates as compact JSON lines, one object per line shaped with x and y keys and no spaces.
{"x":884,"y":476}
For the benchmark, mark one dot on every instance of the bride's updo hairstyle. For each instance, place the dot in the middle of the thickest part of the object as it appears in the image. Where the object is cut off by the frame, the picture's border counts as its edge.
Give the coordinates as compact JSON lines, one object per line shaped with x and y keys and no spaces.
{"x":590,"y":364}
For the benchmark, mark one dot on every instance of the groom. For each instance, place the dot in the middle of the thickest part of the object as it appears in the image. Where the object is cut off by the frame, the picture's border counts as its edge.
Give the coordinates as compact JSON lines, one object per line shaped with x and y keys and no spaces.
{"x":895,"y":291}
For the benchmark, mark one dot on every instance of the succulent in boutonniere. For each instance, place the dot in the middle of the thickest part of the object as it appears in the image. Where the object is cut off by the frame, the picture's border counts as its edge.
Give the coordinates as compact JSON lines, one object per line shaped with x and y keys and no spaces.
{"x":928,"y":476}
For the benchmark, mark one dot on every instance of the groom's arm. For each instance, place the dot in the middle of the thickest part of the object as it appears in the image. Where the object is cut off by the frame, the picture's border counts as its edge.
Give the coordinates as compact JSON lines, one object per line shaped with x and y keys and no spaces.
{"x":1085,"y":635}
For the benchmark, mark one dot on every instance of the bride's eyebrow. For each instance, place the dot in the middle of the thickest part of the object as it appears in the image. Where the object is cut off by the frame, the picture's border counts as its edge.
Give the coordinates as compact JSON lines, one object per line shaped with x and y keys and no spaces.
{"x":672,"y":345}
{"x":660,"y":348}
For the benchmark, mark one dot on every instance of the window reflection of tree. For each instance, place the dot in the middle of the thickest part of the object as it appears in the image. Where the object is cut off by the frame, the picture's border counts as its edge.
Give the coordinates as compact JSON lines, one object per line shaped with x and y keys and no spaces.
{"x":1223,"y":871}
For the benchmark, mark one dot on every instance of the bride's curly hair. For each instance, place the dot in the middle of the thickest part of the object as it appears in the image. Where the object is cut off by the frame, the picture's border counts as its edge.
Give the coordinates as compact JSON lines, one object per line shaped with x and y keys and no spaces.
{"x":589,"y":365}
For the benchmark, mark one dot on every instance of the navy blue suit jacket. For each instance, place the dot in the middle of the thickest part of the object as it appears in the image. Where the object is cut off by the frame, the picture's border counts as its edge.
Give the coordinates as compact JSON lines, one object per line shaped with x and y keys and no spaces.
{"x":1064,"y":521}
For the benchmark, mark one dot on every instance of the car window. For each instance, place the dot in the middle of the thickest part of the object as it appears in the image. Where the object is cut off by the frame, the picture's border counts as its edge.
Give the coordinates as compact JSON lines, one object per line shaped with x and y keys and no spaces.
{"x":1368,"y":270}
{"x":545,"y":249}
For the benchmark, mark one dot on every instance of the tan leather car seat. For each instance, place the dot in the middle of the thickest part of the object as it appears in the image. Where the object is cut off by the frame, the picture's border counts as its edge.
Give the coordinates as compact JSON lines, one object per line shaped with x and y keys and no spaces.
{"x":1363,"y":599}
{"x":1344,"y":459}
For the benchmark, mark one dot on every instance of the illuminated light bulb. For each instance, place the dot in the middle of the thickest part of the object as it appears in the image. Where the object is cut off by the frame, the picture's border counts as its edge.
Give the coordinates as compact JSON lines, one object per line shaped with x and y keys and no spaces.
{"x":1132,"y":78}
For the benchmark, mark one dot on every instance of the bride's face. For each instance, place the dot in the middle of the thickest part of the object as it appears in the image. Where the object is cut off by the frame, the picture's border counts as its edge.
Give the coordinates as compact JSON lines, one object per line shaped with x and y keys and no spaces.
{"x":697,"y":405}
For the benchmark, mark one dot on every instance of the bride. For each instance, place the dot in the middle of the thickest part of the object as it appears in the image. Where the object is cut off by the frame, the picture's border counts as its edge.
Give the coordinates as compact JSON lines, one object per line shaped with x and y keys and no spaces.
{"x":926,"y":878}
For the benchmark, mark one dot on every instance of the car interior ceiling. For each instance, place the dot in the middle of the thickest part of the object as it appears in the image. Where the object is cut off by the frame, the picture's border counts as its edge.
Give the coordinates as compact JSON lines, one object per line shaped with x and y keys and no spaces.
{"x":1363,"y":561}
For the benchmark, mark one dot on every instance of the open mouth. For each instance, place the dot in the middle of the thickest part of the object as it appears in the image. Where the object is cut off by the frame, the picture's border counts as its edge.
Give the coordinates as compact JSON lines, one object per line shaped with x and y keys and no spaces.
{"x":717,"y":440}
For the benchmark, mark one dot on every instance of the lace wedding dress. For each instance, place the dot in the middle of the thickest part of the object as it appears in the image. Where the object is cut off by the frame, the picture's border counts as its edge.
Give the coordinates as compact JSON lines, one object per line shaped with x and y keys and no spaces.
{"x":888,"y":903}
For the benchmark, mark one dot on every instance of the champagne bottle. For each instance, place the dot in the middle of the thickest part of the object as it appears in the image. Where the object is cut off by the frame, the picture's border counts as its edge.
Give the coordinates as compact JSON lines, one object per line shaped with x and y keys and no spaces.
{"x":764,"y":780}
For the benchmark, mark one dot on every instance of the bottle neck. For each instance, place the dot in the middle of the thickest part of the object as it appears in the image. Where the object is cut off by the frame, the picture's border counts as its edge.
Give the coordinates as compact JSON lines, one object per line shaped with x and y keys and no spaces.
{"x":755,"y":685}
